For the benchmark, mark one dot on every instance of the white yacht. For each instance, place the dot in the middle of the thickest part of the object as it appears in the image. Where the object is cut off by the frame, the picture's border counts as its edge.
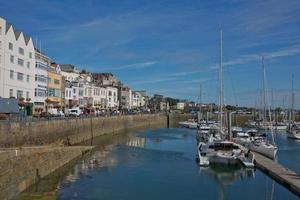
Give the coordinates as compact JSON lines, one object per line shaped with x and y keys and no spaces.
{"x":293,"y":133}
{"x":262,"y":146}
{"x":252,"y":141}
{"x":280,"y":126}
{"x":188,"y":124}
{"x":224,"y":152}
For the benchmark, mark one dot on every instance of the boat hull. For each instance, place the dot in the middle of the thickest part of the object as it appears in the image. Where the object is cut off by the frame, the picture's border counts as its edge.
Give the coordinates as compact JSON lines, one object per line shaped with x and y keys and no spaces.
{"x":269,"y":152}
{"x":293,"y":135}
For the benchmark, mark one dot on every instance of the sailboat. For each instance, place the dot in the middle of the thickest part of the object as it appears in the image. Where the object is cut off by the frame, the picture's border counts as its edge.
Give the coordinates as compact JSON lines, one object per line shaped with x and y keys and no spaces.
{"x":261,"y":144}
{"x":212,"y":148}
{"x":292,"y":131}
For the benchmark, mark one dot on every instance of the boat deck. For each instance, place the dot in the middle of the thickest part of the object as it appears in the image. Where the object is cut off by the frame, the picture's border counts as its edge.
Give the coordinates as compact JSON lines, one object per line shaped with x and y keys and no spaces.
{"x":282,"y":175}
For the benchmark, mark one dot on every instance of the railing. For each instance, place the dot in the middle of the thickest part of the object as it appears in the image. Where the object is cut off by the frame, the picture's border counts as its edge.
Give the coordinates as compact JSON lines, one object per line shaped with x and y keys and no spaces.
{"x":14,"y":119}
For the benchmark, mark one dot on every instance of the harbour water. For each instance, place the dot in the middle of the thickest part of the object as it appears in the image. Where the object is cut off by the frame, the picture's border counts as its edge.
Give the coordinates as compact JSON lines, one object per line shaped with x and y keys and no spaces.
{"x":160,"y":164}
{"x":288,"y":151}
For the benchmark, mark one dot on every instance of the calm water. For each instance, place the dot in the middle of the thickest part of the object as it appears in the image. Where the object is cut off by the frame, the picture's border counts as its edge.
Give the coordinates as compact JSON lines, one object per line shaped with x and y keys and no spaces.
{"x":160,"y":164}
{"x":288,"y":151}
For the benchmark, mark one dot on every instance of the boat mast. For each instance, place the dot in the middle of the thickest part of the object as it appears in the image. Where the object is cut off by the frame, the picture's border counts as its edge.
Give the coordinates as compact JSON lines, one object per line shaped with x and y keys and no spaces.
{"x":221,"y":95}
{"x":264,"y":91}
{"x":200,"y":104}
{"x":293,"y":98}
{"x":266,"y":100}
{"x":292,"y":103}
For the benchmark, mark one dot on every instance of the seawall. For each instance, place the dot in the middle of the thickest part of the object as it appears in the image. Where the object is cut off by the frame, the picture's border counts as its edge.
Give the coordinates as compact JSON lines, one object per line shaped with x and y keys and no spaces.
{"x":22,"y":167}
{"x":76,"y":130}
{"x":32,"y":150}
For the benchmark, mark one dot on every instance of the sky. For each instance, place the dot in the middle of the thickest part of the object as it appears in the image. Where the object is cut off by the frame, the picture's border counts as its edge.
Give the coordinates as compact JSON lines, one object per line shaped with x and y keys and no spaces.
{"x":171,"y":47}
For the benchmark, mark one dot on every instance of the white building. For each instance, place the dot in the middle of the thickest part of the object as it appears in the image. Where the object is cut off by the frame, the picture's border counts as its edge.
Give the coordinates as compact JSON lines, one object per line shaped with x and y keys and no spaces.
{"x":69,"y":72}
{"x":180,"y":105}
{"x":17,"y":63}
{"x":112,"y":97}
{"x":71,"y":94}
{"x":138,"y":99}
{"x":99,"y":97}
{"x":41,"y":81}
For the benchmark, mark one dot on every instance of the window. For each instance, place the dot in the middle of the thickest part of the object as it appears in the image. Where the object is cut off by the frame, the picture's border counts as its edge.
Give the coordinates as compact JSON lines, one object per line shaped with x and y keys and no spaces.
{"x":56,"y":81}
{"x":30,"y":55}
{"x":19,"y":94}
{"x":28,"y":65}
{"x":0,"y":44}
{"x":74,"y":90}
{"x":11,"y":92}
{"x":109,"y":93}
{"x":0,"y":30}
{"x":10,"y":46}
{"x":20,"y":76}
{"x":20,"y":62}
{"x":12,"y":58}
{"x":21,"y":51}
{"x":11,"y":74}
{"x":27,"y":78}
{"x":27,"y":95}
{"x":40,"y":92}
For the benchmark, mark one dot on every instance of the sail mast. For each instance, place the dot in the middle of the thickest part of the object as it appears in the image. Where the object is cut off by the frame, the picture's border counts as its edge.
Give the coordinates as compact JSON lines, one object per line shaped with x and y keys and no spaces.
{"x":264,"y":91}
{"x":293,"y":96}
{"x":221,"y":95}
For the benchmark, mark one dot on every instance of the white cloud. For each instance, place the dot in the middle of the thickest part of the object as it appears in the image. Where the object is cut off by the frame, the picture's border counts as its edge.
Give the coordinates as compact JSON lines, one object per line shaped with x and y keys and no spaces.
{"x":244,"y":59}
{"x":133,"y":66}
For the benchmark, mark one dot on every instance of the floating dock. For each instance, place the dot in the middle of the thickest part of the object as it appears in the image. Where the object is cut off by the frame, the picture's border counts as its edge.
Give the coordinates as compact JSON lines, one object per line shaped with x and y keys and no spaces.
{"x":282,"y":175}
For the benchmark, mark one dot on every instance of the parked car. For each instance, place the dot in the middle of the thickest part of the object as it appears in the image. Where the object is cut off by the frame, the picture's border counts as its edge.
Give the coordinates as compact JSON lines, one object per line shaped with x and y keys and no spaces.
{"x":75,"y":112}
{"x":45,"y":115}
{"x":55,"y":112}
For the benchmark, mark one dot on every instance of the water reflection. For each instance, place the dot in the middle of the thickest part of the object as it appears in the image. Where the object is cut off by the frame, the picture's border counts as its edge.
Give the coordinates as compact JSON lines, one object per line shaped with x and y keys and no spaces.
{"x":160,"y":164}
{"x":225,"y":176}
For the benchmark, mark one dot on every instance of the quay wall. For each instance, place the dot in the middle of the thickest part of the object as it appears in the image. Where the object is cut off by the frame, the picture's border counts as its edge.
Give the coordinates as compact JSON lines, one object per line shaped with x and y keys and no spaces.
{"x":77,"y":130}
{"x":22,"y":167}
{"x":32,"y":150}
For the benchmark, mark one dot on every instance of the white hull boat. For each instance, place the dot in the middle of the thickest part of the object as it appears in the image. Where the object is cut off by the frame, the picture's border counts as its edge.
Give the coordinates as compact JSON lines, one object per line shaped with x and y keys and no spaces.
{"x":188,"y":124}
{"x":193,"y":125}
{"x":263,"y":148}
{"x":293,"y":134}
{"x":224,"y":153}
{"x":279,"y":127}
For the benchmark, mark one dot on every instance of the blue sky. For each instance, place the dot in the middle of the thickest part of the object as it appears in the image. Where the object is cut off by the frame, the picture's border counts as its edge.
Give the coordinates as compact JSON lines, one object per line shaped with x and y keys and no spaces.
{"x":172,"y":46}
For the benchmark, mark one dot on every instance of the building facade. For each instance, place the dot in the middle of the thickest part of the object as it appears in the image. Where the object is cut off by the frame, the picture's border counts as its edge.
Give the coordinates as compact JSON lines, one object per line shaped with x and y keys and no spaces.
{"x":112,"y":97}
{"x":17,"y":63}
{"x":138,"y":99}
{"x":55,"y":88}
{"x":105,"y":79}
{"x":41,"y":82}
{"x":69,"y":72}
{"x":125,"y":98}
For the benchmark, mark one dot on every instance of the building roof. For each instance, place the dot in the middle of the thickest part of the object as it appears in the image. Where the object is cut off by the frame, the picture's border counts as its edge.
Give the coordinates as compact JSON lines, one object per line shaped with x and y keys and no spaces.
{"x":17,"y":34}
{"x":27,"y":39}
{"x":9,"y":105}
{"x":67,"y":67}
{"x":8,"y":25}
